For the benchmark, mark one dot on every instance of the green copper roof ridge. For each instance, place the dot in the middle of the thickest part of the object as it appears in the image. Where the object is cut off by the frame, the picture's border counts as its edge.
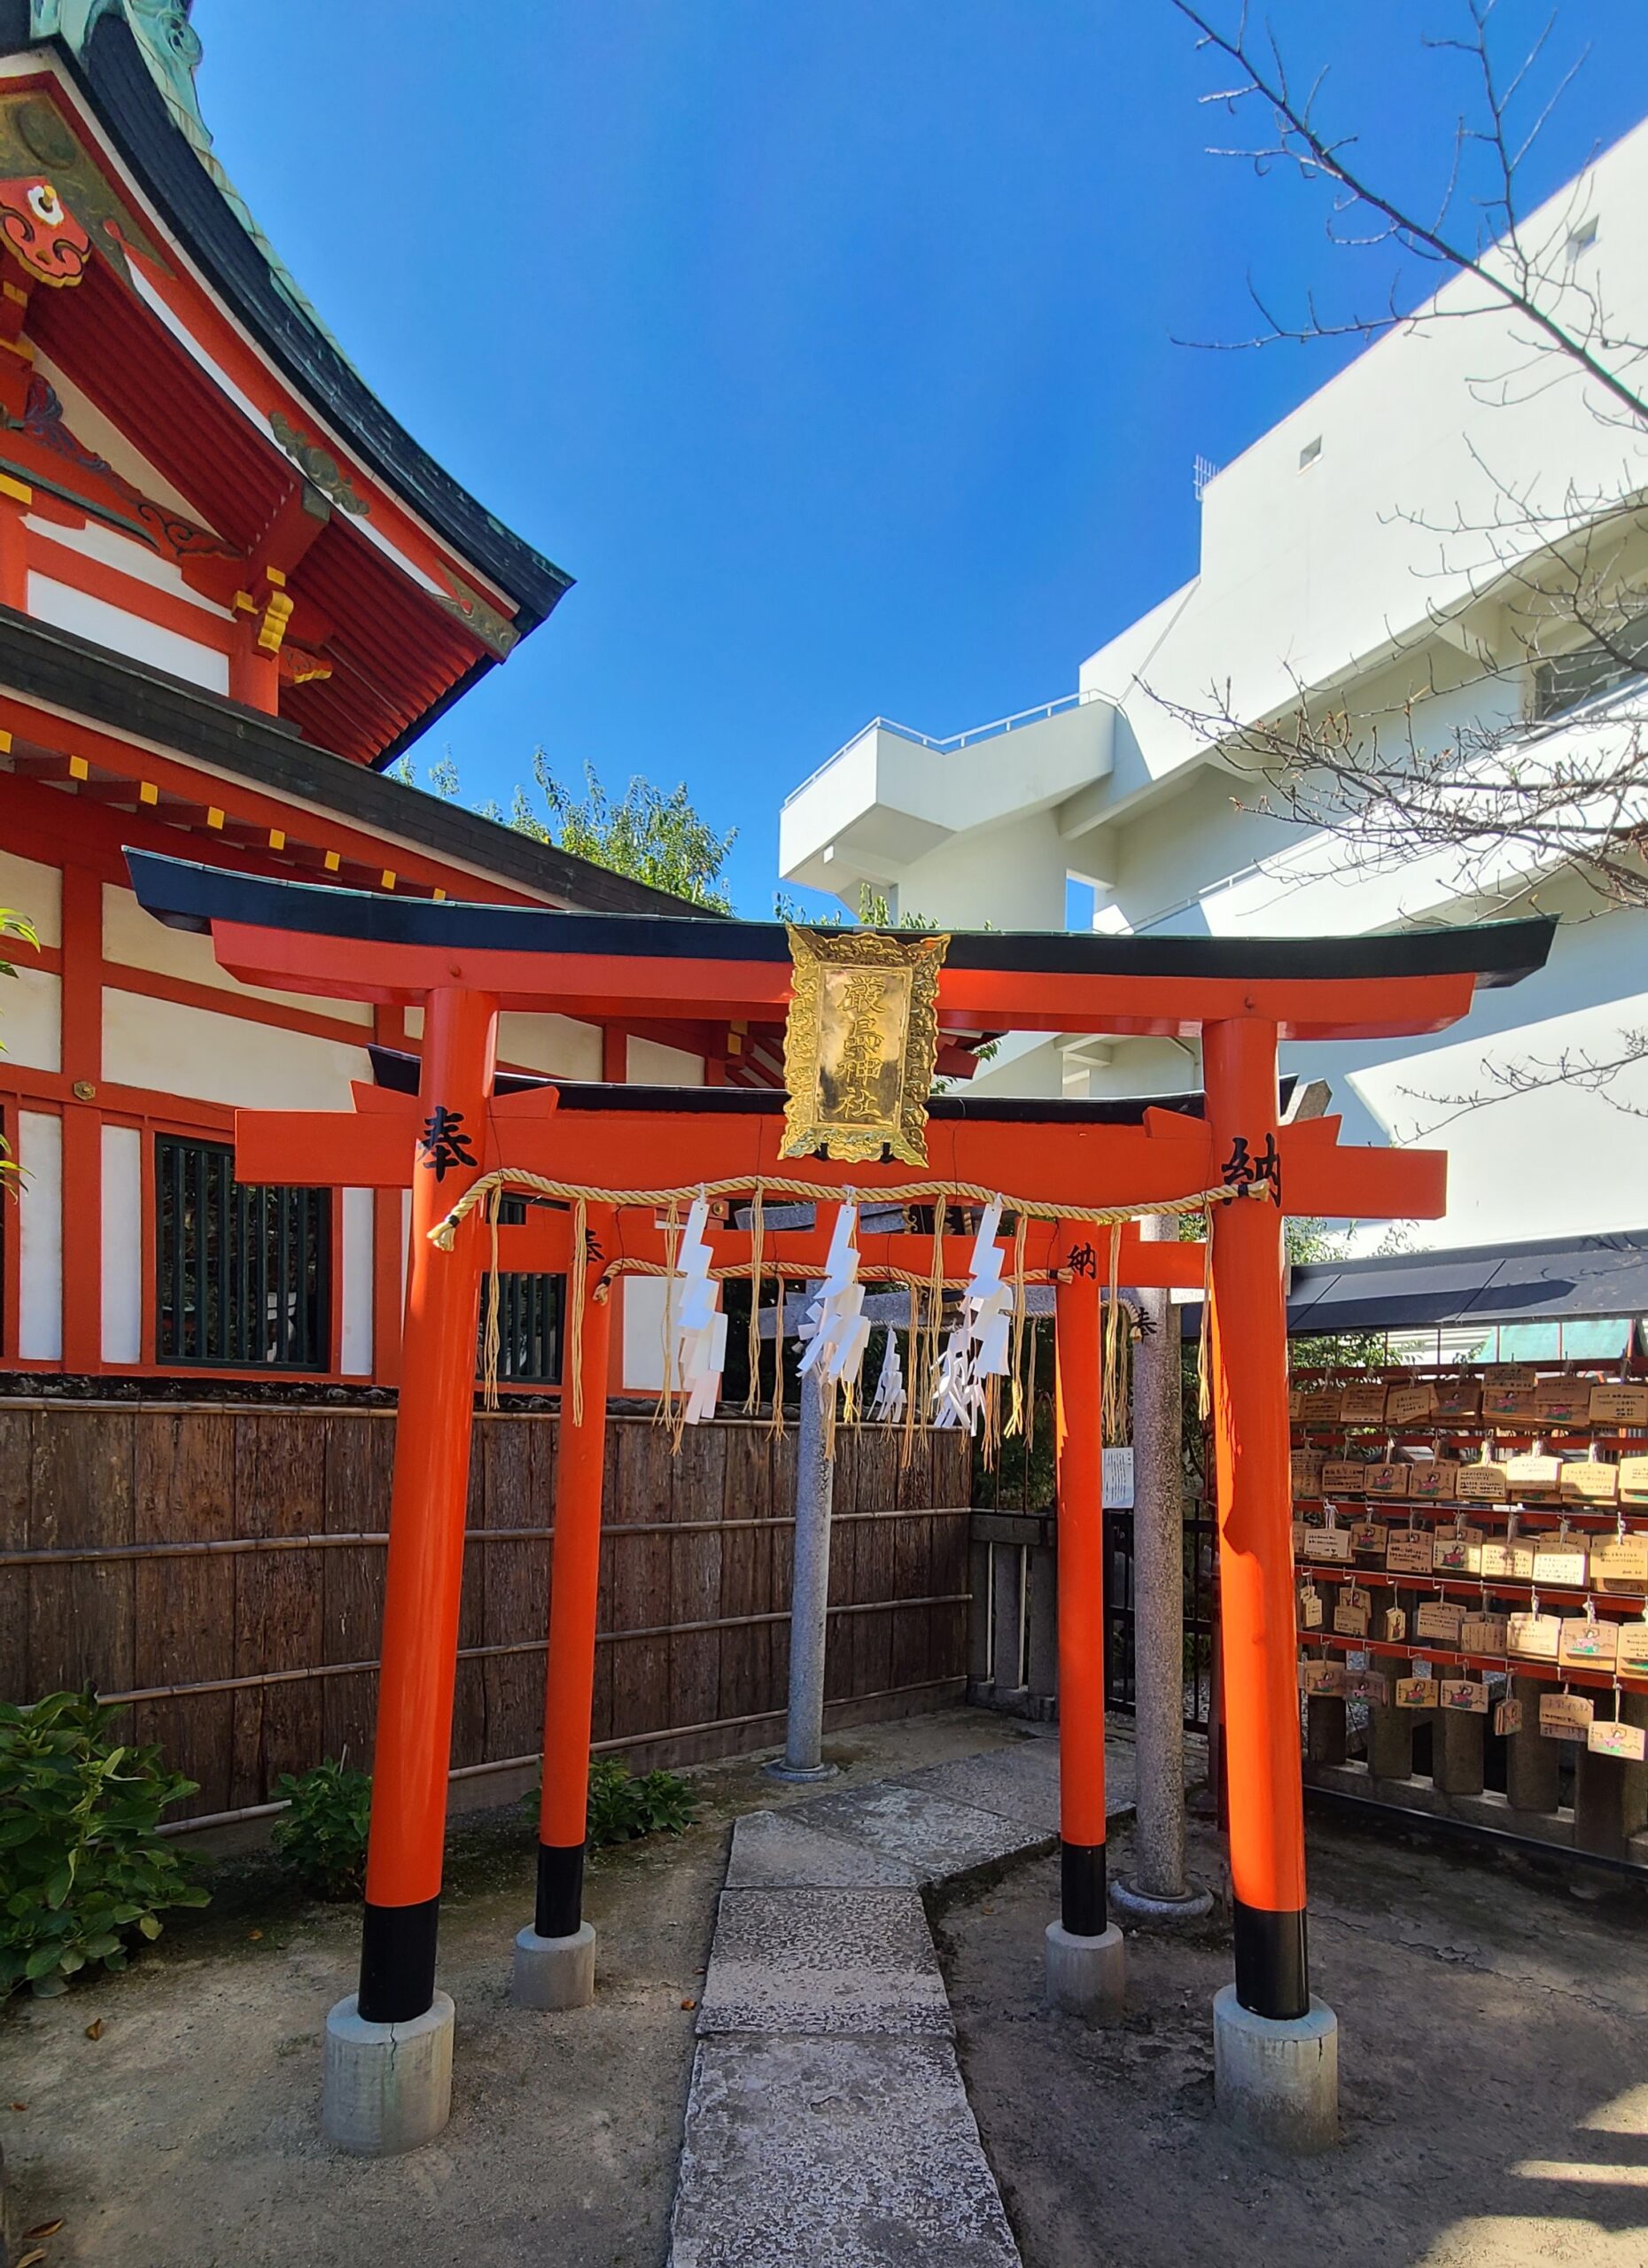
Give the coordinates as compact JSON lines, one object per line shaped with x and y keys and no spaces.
{"x":171,"y":49}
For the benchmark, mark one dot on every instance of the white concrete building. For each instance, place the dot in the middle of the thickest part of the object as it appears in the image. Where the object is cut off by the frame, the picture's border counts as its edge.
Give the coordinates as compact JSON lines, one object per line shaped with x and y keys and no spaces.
{"x":1321,"y":568}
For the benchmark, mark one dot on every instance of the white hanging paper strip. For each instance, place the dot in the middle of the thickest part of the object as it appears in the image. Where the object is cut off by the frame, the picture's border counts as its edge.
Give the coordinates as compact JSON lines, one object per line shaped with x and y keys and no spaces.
{"x":980,"y":1345}
{"x":700,"y":1326}
{"x":890,"y":1400}
{"x":836,"y":1330}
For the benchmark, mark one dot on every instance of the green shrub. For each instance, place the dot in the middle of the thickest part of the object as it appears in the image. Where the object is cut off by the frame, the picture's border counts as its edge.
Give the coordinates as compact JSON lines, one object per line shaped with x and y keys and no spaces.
{"x":321,"y":1837}
{"x":81,"y":1863}
{"x":623,"y":1805}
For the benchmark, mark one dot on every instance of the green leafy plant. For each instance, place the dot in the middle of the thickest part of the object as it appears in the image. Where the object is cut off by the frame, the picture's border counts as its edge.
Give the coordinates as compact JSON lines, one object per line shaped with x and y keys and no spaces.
{"x":82,"y":1862}
{"x":624,"y":1805}
{"x":321,"y":1836}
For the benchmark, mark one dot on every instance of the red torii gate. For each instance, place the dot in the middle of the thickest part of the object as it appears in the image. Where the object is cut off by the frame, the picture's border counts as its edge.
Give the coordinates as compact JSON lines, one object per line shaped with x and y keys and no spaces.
{"x":464,"y":964}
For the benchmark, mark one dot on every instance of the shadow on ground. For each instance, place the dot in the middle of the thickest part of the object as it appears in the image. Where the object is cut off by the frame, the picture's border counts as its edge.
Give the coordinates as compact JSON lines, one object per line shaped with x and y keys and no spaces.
{"x":1493,"y":2055}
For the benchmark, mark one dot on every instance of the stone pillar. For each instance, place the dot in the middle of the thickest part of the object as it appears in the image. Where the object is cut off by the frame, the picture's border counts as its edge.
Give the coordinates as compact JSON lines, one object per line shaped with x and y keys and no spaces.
{"x":1533,"y":1764}
{"x":1009,"y":1588}
{"x":1326,"y":1728}
{"x":809,"y":1609}
{"x":1456,"y":1752}
{"x":1157,"y":1888}
{"x":1044,"y":1630}
{"x":1610,"y":1796}
{"x":980,"y":1683}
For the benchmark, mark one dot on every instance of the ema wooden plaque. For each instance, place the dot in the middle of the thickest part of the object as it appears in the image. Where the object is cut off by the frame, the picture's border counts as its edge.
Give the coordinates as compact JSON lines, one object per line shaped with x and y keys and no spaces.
{"x":1368,"y":1539}
{"x":1458,"y":1398}
{"x":1318,"y":1678}
{"x":1484,"y":1634}
{"x":1363,"y":1405}
{"x":1306,"y":1467}
{"x":1586,"y":1481}
{"x":1328,"y":1544}
{"x":1562,"y":1402}
{"x":1619,"y":1405}
{"x":1409,"y":1550}
{"x":1564,"y":1716}
{"x":1458,"y":1551}
{"x":1633,"y":1472}
{"x":1440,"y":1621}
{"x":1508,"y":1405}
{"x":1367,"y":1685}
{"x":1435,"y":1482}
{"x":1508,"y":1717}
{"x":1319,"y":1405}
{"x":1508,"y":1559}
{"x":1388,"y":1479}
{"x":1468,"y":1695}
{"x":1561,"y":1559}
{"x":1633,"y":1658}
{"x":1619,"y":1563}
{"x":1309,"y":1608}
{"x":1533,"y":1476}
{"x":1351,"y":1614}
{"x":1587,"y":1643}
{"x":1410,"y":1405}
{"x":1417,"y":1693}
{"x":1344,"y":1476}
{"x":1480,"y":1484}
{"x":1533,"y":1638}
{"x":1396,"y":1626}
{"x":1611,"y":1736}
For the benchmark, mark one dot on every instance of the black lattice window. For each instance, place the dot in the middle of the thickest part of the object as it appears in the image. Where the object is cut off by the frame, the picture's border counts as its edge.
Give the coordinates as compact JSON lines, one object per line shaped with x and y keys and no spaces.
{"x":529,"y":1317}
{"x":242,"y":1272}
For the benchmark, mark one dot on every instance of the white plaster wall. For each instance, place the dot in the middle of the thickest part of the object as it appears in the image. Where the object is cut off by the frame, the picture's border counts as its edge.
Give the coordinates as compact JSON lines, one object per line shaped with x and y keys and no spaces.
{"x":31,"y":1019}
{"x":50,"y":601}
{"x":649,"y":1063}
{"x":557,"y":1045}
{"x":122,"y":1230}
{"x":186,"y":1051}
{"x":28,"y":888}
{"x":40,"y":1237}
{"x":355,"y":1259}
{"x":89,"y":425}
{"x":1011,"y":875}
{"x":644,"y":1335}
{"x":128,"y":556}
{"x":136,"y":940}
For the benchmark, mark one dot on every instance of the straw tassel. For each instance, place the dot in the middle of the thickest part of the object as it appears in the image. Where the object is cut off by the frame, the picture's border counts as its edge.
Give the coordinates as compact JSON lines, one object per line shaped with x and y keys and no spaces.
{"x":491,"y":1338}
{"x":758,"y":1230}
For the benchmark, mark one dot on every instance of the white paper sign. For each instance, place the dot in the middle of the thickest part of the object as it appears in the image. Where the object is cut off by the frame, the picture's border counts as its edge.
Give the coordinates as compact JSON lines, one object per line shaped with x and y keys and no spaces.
{"x":1118,"y":1480}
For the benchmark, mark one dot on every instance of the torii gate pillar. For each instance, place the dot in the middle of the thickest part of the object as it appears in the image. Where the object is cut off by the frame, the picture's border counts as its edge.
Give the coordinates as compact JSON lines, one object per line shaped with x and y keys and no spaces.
{"x":1276,"y":2063}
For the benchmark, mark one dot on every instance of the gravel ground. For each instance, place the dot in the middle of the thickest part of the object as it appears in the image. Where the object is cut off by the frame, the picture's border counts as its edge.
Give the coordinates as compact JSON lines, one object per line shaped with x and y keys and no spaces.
{"x":1494,"y":2076}
{"x":186,"y":2135}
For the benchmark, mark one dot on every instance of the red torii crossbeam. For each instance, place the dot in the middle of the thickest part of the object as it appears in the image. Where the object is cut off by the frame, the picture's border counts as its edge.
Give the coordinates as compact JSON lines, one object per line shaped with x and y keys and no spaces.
{"x":465,"y":963}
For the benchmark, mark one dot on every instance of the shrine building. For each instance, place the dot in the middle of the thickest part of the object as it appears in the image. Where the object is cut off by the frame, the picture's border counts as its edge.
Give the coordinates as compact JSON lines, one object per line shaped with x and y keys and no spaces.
{"x":232,"y":592}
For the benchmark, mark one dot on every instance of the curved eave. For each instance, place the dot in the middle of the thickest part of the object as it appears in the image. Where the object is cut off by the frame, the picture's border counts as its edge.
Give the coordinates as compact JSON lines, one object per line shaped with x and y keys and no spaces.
{"x":1309,"y":987}
{"x":126,"y":100}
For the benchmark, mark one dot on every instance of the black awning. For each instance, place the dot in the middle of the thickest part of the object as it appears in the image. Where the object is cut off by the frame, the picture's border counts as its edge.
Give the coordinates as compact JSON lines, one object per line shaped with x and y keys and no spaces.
{"x":1553,"y":1280}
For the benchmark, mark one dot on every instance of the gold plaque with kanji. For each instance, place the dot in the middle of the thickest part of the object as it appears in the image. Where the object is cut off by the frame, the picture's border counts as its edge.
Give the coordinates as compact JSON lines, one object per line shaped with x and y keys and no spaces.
{"x":861,"y":1044}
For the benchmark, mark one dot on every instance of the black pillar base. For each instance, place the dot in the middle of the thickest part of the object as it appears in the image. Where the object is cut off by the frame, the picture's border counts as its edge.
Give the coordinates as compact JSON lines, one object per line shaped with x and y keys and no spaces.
{"x":398,"y":1962}
{"x":1082,"y":1904}
{"x":1273,"y":1963}
{"x":560,"y":1909}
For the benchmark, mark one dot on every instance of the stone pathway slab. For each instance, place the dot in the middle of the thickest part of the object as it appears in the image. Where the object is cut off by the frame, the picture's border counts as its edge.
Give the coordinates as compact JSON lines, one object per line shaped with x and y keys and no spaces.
{"x":1006,"y":1784}
{"x":823,"y":1961}
{"x":857,"y":2153}
{"x":772,"y":1849}
{"x":930,"y":1833}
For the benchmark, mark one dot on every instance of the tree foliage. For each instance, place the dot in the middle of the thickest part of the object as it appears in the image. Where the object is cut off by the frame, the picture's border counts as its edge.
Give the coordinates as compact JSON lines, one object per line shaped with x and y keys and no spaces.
{"x":648,"y":836}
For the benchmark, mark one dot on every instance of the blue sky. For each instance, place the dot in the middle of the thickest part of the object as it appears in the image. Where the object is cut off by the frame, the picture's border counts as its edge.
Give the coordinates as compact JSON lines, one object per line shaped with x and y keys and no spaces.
{"x":831,"y":343}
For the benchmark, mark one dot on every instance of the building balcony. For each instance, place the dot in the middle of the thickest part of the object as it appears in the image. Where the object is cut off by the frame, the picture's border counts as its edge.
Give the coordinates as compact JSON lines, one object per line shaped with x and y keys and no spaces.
{"x":892,"y":796}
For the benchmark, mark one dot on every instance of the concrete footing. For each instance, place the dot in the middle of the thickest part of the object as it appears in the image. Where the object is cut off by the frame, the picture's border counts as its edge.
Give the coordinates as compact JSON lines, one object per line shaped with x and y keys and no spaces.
{"x":1086,"y":1976}
{"x":802,"y":1774}
{"x":387,"y":2087}
{"x":1150,"y":1911}
{"x":1277,"y":2080}
{"x":554,"y":1972}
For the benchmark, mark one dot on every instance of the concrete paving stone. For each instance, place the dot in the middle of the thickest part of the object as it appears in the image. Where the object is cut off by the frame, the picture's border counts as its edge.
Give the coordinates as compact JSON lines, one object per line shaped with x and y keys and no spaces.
{"x":857,"y":2153}
{"x":1005,"y":1781}
{"x":773,"y":1849}
{"x":932,"y":1833}
{"x":831,"y":1960}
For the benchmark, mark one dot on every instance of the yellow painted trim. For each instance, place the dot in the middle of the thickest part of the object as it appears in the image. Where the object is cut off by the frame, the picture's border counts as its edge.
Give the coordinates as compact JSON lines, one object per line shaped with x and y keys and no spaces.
{"x":79,"y":769}
{"x":23,"y":348}
{"x":5,"y":741}
{"x":15,"y":293}
{"x":388,"y":877}
{"x":215,"y":818}
{"x":333,"y":861}
{"x":440,"y":896}
{"x":147,"y":792}
{"x":245,"y":603}
{"x":274,"y":575}
{"x":19,"y":489}
{"x":278,"y":838}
